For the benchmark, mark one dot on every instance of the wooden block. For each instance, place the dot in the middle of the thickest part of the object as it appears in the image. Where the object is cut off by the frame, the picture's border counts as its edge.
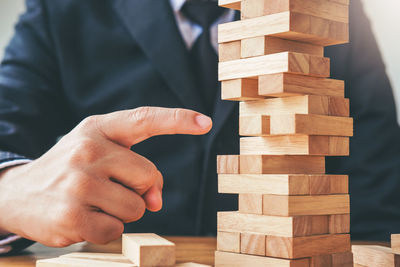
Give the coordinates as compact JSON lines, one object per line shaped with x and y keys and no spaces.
{"x":98,"y":256}
{"x":226,"y":259}
{"x":269,"y":225}
{"x":148,"y":250}
{"x":263,"y":164}
{"x":395,"y":243}
{"x":228,"y":241}
{"x":339,"y":223}
{"x":240,"y":90}
{"x":282,"y":184}
{"x":311,"y":124}
{"x":329,"y":184}
{"x":287,"y":25}
{"x":295,"y":145}
{"x":286,"y":84}
{"x":289,"y":62}
{"x":344,"y":259}
{"x":377,"y":256}
{"x":319,"y":224}
{"x":233,"y":4}
{"x":228,"y":164}
{"x":305,"y":205}
{"x":308,"y":246}
{"x":76,"y":262}
{"x":191,"y":264}
{"x":343,"y":2}
{"x":251,"y":203}
{"x":264,"y":45}
{"x":253,"y":244}
{"x":309,"y":104}
{"x":321,"y":261}
{"x":229,"y":51}
{"x":320,"y":8}
{"x":254,"y":125}
{"x":263,"y":184}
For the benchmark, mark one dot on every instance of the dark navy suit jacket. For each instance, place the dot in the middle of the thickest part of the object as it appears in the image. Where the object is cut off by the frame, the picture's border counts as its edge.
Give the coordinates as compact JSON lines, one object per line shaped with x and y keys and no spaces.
{"x":70,"y":59}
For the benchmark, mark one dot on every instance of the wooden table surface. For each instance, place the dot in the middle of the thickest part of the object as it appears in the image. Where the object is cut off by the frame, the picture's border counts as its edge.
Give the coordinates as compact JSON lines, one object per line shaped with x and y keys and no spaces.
{"x":188,"y":249}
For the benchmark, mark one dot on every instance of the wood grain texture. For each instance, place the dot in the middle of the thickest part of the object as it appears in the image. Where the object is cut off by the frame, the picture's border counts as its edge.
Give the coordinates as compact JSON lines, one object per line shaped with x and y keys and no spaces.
{"x":240,"y":90}
{"x":251,"y":203}
{"x":264,"y":164}
{"x":287,"y":25}
{"x":339,"y":223}
{"x":228,"y":241}
{"x":395,"y":243}
{"x":289,"y":62}
{"x":253,"y":244}
{"x":286,"y":84}
{"x":148,"y":250}
{"x":344,"y":259}
{"x":321,"y":261}
{"x":282,"y":184}
{"x":226,"y":259}
{"x":113,"y":257}
{"x":228,"y":164}
{"x":308,"y":104}
{"x":377,"y":256}
{"x":295,"y":145}
{"x":229,"y":51}
{"x":303,"y":247}
{"x":271,"y":225}
{"x":320,"y":8}
{"x":276,"y":205}
{"x":265,"y":45}
{"x":254,"y":125}
{"x":233,"y":4}
{"x":311,"y":124}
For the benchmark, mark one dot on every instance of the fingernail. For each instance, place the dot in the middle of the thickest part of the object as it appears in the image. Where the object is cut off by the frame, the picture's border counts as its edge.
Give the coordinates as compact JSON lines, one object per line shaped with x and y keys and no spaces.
{"x":203,"y":121}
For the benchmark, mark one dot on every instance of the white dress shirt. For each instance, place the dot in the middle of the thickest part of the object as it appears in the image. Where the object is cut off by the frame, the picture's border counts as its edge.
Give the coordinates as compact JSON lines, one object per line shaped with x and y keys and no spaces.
{"x":191,"y":31}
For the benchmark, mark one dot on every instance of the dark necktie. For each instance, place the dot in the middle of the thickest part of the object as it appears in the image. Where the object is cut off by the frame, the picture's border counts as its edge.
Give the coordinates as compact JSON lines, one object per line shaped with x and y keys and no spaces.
{"x":203,"y":58}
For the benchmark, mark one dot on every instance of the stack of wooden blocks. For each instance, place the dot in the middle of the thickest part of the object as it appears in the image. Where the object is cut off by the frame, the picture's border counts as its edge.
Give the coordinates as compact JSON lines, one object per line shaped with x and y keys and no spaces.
{"x":290,"y":212}
{"x":378,"y":256}
{"x":138,"y":250}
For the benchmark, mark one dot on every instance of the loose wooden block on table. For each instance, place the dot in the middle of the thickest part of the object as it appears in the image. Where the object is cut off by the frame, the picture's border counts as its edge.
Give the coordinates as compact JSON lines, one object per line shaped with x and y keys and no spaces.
{"x":256,"y":125}
{"x":191,"y":264}
{"x":229,"y":51}
{"x":98,"y":256}
{"x":240,"y":90}
{"x":253,"y":244}
{"x":308,"y":104}
{"x":395,"y":243}
{"x":76,"y":262}
{"x":287,"y":25}
{"x":287,"y":84}
{"x":377,"y":256}
{"x":283,"y":184}
{"x":233,"y":4}
{"x":264,"y":45}
{"x":228,"y":241}
{"x":226,"y":259}
{"x":148,"y":250}
{"x":303,"y":247}
{"x":273,"y":225}
{"x":264,"y":164}
{"x":320,"y":8}
{"x":295,"y":145}
{"x":251,"y":203}
{"x":305,"y":205}
{"x":289,"y":62}
{"x":228,"y":164}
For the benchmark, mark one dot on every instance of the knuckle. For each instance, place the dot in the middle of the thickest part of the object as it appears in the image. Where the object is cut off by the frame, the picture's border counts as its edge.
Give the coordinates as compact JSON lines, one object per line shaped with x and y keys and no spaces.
{"x":138,"y":210}
{"x":85,"y":151}
{"x":141,"y":115}
{"x":89,"y":122}
{"x":60,"y":241}
{"x":109,"y":233}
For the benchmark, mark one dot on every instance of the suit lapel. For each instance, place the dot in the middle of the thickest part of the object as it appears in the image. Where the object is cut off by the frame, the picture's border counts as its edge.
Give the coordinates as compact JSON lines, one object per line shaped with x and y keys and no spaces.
{"x":152,"y":25}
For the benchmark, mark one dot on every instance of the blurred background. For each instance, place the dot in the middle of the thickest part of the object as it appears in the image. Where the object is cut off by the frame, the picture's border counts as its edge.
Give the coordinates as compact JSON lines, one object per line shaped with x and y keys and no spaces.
{"x":383,"y":15}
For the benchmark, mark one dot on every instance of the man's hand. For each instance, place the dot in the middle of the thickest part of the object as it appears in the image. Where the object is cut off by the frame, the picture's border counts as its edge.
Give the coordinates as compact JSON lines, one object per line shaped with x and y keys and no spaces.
{"x":90,"y":182}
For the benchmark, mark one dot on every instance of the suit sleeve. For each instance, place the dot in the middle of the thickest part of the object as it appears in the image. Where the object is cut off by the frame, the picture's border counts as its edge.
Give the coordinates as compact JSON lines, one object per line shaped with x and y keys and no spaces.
{"x":32,"y":111}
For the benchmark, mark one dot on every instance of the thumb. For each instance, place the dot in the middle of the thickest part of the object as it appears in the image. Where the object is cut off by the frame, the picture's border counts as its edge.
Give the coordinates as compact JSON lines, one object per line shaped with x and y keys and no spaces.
{"x":130,"y":127}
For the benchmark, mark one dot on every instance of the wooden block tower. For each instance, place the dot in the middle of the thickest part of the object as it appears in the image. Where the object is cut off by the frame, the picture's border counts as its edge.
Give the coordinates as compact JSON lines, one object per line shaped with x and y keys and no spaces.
{"x":292,"y":115}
